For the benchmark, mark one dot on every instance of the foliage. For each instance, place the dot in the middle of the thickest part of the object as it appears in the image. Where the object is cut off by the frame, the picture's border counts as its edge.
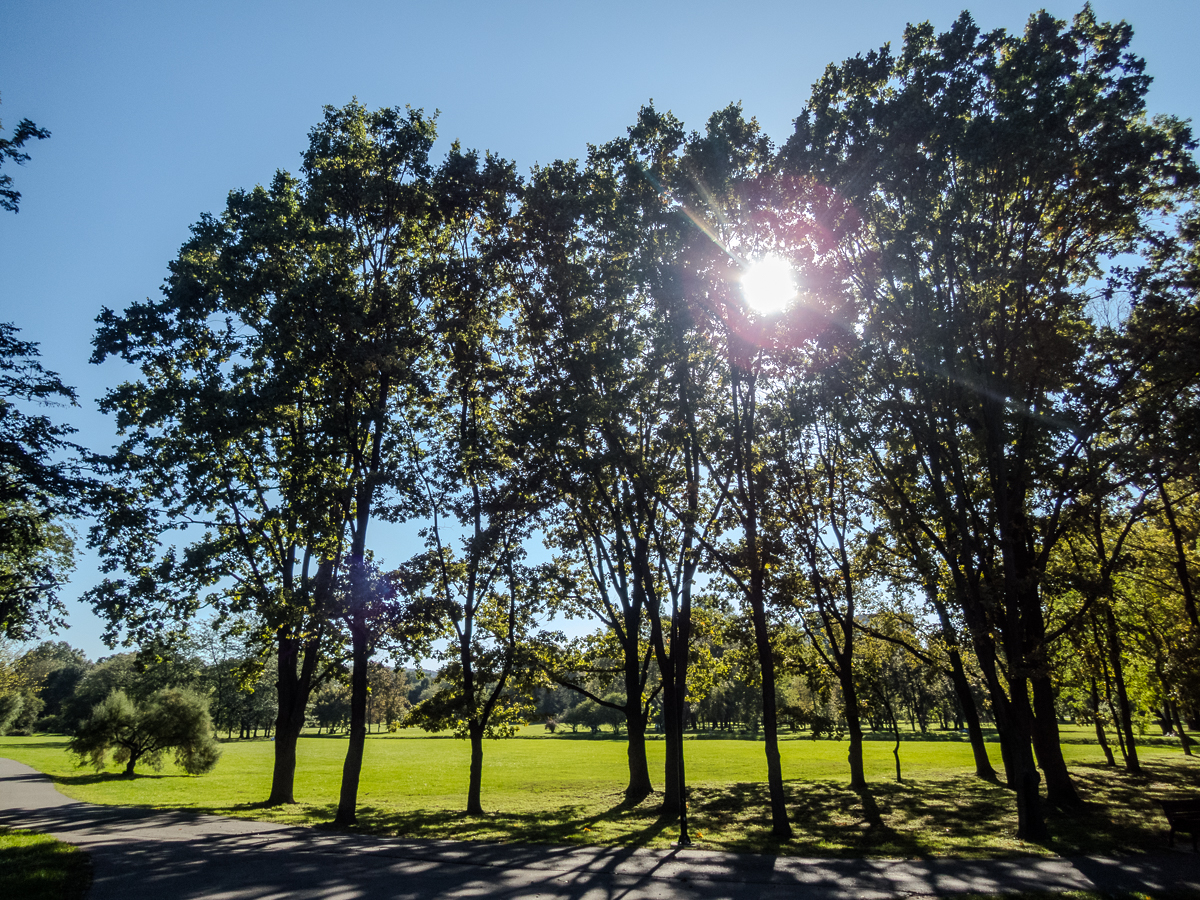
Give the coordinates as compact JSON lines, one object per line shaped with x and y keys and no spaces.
{"x":11,"y":151}
{"x":36,"y":490}
{"x":170,"y":719}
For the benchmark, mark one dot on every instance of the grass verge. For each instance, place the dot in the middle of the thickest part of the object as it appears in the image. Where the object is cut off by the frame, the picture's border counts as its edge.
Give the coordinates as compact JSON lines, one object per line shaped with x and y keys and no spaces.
{"x":36,"y":867}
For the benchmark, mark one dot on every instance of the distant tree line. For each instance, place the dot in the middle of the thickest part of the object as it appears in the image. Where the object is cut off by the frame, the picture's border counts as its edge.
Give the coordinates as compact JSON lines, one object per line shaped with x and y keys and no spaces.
{"x":950,"y":474}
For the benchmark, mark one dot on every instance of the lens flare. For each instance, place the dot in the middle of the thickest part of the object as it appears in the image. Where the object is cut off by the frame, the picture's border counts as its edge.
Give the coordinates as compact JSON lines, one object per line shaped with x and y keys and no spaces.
{"x":769,"y":285}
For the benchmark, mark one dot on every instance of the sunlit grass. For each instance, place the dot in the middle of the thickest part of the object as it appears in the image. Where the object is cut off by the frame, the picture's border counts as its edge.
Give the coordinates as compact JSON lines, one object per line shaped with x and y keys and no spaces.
{"x":569,"y":790}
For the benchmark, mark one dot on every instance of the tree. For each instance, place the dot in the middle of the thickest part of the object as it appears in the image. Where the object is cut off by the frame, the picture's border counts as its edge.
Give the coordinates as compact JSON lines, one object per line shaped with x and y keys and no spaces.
{"x":599,"y":411}
{"x":170,"y":719}
{"x":36,"y":490}
{"x":11,"y":150}
{"x":728,"y":167}
{"x":53,"y":671}
{"x":821,"y":511}
{"x":477,"y":496}
{"x":995,"y":175}
{"x":286,"y":345}
{"x":222,"y":436}
{"x":368,"y":194}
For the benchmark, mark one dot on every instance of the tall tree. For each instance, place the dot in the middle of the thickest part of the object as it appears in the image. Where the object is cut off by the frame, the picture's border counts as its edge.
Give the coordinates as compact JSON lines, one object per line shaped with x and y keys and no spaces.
{"x":364,"y":334}
{"x":40,"y":484}
{"x":471,"y":471}
{"x":287,"y":343}
{"x":996,"y":174}
{"x":824,"y":517}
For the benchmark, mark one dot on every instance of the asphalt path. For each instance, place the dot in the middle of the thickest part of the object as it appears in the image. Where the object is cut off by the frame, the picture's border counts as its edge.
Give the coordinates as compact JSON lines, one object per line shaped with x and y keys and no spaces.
{"x":141,"y":854}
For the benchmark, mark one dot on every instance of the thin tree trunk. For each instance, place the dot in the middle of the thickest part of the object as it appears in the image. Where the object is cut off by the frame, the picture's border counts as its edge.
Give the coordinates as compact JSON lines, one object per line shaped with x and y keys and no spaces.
{"x":1031,"y":823}
{"x":858,"y":777}
{"x":1181,"y":559}
{"x":1101,"y":739}
{"x":896,"y":734}
{"x":1114,"y":650}
{"x":352,"y":768}
{"x":780,"y":827}
{"x":673,"y":738}
{"x":970,"y":714}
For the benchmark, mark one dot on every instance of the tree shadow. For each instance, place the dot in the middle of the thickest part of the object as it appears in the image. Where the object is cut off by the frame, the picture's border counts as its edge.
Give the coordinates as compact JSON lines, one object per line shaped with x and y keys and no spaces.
{"x":106,"y":777}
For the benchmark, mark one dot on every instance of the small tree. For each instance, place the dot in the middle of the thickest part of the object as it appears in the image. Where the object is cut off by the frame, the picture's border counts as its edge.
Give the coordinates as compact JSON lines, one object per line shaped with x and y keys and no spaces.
{"x":172,"y":718}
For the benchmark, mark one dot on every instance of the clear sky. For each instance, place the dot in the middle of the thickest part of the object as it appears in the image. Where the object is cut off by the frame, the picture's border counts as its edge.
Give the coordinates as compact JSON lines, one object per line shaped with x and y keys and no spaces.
{"x":159,"y":109}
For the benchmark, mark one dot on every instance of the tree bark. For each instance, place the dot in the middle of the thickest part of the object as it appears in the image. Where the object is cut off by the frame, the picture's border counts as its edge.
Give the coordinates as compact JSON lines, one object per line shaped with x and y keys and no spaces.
{"x":1101,"y":739}
{"x":673,"y":739}
{"x":1060,"y":790}
{"x":293,"y":687}
{"x":1181,"y":557}
{"x":475,"y":782}
{"x":1031,"y":823}
{"x":352,"y":768}
{"x":970,"y":714}
{"x":780,"y":827}
{"x":1114,"y":651}
{"x":639,"y":769}
{"x":858,"y":777}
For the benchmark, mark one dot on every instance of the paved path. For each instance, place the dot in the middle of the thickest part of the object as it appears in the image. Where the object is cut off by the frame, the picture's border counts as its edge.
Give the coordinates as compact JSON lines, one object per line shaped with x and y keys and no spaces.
{"x":170,"y":855}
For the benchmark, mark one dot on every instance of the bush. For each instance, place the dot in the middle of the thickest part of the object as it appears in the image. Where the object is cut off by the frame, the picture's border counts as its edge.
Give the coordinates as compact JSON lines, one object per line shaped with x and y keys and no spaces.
{"x":10,"y":709}
{"x":171,"y":719}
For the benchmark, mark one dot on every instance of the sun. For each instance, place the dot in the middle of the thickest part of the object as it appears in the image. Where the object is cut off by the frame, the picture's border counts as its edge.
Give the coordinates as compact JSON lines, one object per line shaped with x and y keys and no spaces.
{"x":768,"y":284}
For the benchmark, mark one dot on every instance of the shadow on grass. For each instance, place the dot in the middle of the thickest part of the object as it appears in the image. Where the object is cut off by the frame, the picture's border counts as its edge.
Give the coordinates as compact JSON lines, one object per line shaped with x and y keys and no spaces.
{"x":116,"y":777}
{"x":26,"y":745}
{"x":624,"y":824}
{"x":34,"y":867}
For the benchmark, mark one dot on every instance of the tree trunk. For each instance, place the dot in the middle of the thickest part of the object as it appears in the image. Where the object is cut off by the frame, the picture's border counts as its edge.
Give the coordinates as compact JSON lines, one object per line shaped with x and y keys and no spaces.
{"x":780,"y":827}
{"x":1060,"y":790}
{"x":639,"y":769}
{"x":1181,"y":557}
{"x":970,"y":714}
{"x":1114,"y":650}
{"x":293,"y":686}
{"x":896,"y":734}
{"x":1014,"y":726}
{"x":475,"y":784}
{"x":1031,"y":824}
{"x":671,"y":723}
{"x":858,"y":777}
{"x":352,"y":768}
{"x":1100,"y":737}
{"x":1173,"y":714}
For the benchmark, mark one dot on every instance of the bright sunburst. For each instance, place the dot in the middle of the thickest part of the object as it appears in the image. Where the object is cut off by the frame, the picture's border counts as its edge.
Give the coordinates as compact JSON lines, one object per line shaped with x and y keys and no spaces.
{"x":768,"y":284}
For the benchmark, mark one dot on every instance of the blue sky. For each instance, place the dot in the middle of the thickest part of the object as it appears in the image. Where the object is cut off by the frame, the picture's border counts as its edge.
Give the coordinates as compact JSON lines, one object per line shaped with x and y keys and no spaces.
{"x":159,"y":109}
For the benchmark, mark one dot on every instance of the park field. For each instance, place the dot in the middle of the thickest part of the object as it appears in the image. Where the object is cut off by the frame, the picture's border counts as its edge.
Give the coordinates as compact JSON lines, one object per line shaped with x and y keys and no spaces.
{"x":568,"y":790}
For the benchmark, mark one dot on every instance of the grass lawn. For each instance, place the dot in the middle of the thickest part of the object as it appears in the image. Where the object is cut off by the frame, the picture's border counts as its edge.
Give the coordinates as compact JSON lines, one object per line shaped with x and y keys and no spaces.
{"x":568,"y":790}
{"x":36,"y":867}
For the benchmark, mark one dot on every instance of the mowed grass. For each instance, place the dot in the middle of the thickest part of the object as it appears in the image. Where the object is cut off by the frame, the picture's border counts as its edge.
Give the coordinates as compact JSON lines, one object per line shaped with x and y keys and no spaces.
{"x":569,"y":790}
{"x":36,"y":867}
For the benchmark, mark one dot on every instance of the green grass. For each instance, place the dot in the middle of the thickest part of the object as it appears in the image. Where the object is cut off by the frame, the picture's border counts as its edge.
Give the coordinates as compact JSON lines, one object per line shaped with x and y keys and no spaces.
{"x":36,"y":867}
{"x":568,"y":790}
